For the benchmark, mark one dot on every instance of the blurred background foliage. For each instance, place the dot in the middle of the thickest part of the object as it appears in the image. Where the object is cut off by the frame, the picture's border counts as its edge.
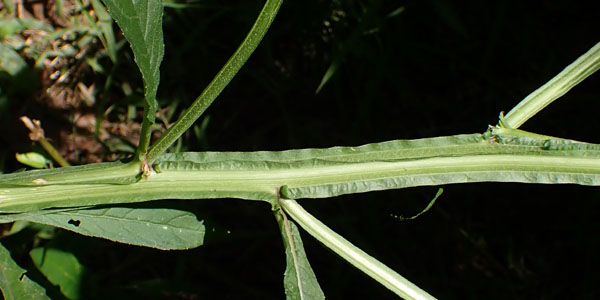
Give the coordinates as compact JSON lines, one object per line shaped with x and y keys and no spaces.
{"x":328,"y":73}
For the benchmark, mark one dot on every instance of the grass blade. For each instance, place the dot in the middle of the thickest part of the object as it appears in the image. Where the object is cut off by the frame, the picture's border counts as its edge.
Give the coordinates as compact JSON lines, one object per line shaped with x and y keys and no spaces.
{"x":14,"y":282}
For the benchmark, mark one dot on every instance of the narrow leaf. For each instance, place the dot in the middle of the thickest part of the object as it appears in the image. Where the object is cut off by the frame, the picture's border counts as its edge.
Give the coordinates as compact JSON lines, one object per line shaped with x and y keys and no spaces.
{"x":141,"y":23}
{"x":299,"y":279}
{"x":160,"y":228}
{"x":61,"y":268}
{"x":429,"y":206}
{"x":14,"y":282}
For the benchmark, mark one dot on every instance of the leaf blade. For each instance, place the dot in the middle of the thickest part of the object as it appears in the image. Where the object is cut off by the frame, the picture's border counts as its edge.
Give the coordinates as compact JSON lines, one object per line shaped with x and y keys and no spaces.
{"x":14,"y":282}
{"x":160,"y":228}
{"x":141,"y":23}
{"x":62,"y":268}
{"x":300,"y":281}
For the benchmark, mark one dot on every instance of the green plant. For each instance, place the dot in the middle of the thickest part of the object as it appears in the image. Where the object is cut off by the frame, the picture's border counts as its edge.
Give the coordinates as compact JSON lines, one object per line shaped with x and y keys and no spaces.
{"x":501,"y":154}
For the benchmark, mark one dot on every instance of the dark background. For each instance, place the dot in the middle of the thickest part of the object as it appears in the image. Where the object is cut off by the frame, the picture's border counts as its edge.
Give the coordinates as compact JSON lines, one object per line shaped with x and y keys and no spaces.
{"x":437,"y":68}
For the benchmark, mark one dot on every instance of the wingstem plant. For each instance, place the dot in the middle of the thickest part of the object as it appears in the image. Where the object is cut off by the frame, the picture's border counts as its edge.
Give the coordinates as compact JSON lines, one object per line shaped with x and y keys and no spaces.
{"x":68,"y":194}
{"x":221,"y":80}
{"x":580,"y":69}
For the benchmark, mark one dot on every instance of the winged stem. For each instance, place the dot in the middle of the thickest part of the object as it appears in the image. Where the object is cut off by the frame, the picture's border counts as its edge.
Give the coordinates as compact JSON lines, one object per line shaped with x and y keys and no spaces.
{"x":221,"y":80}
{"x":572,"y":75}
{"x":354,"y":255}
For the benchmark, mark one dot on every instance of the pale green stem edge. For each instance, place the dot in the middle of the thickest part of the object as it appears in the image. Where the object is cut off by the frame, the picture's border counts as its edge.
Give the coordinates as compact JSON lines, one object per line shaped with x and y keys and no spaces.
{"x":572,"y":75}
{"x":221,"y":80}
{"x":358,"y":258}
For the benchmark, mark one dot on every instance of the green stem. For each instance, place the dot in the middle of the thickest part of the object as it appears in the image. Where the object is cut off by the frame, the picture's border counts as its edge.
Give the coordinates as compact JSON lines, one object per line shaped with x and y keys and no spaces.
{"x":53,"y":152}
{"x":216,"y":86}
{"x":336,"y":171}
{"x":572,"y":75}
{"x":358,"y":258}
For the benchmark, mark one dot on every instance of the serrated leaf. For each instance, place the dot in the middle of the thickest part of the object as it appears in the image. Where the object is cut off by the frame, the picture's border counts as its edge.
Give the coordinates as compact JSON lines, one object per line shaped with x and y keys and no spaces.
{"x":161,"y":228}
{"x":299,"y":279}
{"x":61,"y":268}
{"x":141,"y":23}
{"x":14,"y":282}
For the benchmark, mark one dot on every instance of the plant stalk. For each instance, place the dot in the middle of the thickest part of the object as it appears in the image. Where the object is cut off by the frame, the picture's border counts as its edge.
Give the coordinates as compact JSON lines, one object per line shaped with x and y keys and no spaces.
{"x":35,"y":190}
{"x":572,"y":75}
{"x":354,"y":255}
{"x":221,"y":80}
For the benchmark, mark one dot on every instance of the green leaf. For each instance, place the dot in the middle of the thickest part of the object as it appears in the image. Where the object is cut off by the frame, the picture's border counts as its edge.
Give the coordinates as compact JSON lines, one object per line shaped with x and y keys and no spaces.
{"x":11,"y":62}
{"x":161,"y":228}
{"x":141,"y":23}
{"x":61,"y":268}
{"x":33,"y":159}
{"x":105,"y":26}
{"x":299,"y":280}
{"x":14,"y":282}
{"x":10,"y":26}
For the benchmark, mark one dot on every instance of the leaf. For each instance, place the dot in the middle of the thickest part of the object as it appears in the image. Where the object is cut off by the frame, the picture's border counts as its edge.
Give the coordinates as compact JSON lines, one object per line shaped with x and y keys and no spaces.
{"x":61,"y":268}
{"x":105,"y":26}
{"x":141,"y":23}
{"x":11,"y":62}
{"x":14,"y":282}
{"x":161,"y":228}
{"x":299,"y":280}
{"x":16,"y":25}
{"x":33,"y":159}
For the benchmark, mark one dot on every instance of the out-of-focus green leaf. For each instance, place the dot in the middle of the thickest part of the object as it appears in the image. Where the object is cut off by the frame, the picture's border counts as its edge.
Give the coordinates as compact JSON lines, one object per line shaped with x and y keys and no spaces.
{"x":15,"y":25}
{"x":141,"y":23}
{"x":10,"y":61}
{"x":299,"y":279}
{"x":328,"y":74}
{"x":33,"y":159}
{"x":105,"y":25}
{"x":161,"y":228}
{"x":14,"y":282}
{"x":61,"y":268}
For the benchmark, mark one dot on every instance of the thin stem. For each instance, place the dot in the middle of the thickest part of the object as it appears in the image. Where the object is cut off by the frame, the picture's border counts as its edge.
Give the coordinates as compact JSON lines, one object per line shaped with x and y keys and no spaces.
{"x":358,"y":258}
{"x":37,"y":135}
{"x":216,"y":86}
{"x":572,"y":75}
